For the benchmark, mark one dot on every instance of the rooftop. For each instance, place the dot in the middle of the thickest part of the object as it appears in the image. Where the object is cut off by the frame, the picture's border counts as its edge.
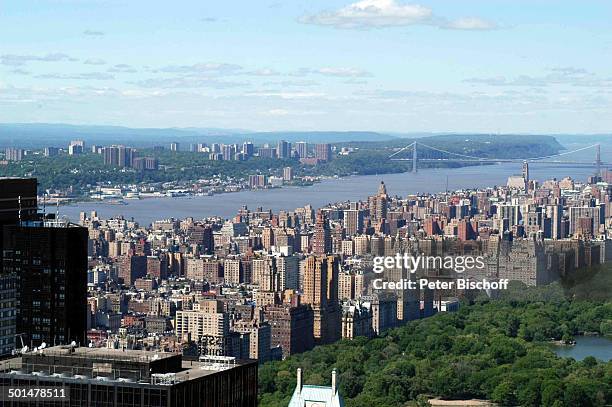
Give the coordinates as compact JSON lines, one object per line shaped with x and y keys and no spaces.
{"x":108,"y":354}
{"x":114,"y":365}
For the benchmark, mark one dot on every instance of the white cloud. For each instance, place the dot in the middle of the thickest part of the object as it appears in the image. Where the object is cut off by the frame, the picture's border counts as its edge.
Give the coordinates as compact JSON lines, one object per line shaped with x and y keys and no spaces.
{"x":122,"y":68}
{"x":286,"y":95}
{"x":285,"y":112}
{"x":264,"y":72}
{"x":471,"y":23}
{"x":209,"y":68}
{"x":391,"y":13}
{"x":94,"y":61}
{"x":276,"y":112}
{"x":372,"y":13}
{"x":343,"y":72}
{"x":97,"y":76}
{"x":19,"y":60}
{"x":187,"y":82}
{"x":93,"y":33}
{"x":560,"y":76}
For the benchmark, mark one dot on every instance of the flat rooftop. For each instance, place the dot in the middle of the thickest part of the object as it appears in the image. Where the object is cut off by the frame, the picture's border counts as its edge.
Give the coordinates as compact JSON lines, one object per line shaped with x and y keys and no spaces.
{"x":109,"y":365}
{"x":108,"y":354}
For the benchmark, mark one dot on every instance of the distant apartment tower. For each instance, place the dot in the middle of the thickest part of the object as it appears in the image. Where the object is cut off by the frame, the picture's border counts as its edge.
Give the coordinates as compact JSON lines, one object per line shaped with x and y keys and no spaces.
{"x":51,"y":151}
{"x":228,"y":151}
{"x":283,"y":149}
{"x":118,"y":156}
{"x":76,"y":147}
{"x":174,"y":146}
{"x":288,"y":173}
{"x":257,"y":181}
{"x":301,"y":148}
{"x":14,"y":154}
{"x":248,"y":149}
{"x":266,"y":152}
{"x":323,"y":152}
{"x":145,"y":163}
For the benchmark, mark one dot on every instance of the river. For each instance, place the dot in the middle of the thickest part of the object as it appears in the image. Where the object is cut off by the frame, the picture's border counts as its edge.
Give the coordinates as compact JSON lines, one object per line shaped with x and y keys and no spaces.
{"x":352,"y":188}
{"x":226,"y":205}
{"x":596,"y":346}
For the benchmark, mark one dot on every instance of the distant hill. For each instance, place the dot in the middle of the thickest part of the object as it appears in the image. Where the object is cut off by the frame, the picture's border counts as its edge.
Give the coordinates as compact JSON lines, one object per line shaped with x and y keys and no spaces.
{"x":321,"y":136}
{"x":485,"y":145}
{"x":29,"y":135}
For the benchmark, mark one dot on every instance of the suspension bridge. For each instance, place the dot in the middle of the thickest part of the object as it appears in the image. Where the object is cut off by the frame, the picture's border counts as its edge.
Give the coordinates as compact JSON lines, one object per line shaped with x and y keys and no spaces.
{"x":420,"y":152}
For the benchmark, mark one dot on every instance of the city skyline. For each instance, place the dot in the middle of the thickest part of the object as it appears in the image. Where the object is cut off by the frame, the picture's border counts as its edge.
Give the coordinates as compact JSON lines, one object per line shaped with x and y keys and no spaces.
{"x":383,"y":65}
{"x":289,"y":204}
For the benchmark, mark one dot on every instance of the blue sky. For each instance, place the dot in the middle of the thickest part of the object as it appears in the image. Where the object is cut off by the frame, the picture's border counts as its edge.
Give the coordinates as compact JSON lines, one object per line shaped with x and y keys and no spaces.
{"x":385,"y":65}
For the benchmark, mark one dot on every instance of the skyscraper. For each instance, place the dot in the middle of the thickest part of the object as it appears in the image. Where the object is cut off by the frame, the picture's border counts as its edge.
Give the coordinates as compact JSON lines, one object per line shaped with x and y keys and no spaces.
{"x":323,"y":152}
{"x":378,"y":204}
{"x":288,"y":173}
{"x":291,"y":327}
{"x":526,"y":172}
{"x":18,"y":202}
{"x":13,"y":154}
{"x":49,"y":260}
{"x":118,"y":156}
{"x":353,"y":221}
{"x":248,"y":149}
{"x":76,"y":147}
{"x":321,"y":292}
{"x":321,"y":242}
{"x":555,"y":213}
{"x":228,"y":151}
{"x":283,"y":149}
{"x":43,"y":264}
{"x":301,"y":147}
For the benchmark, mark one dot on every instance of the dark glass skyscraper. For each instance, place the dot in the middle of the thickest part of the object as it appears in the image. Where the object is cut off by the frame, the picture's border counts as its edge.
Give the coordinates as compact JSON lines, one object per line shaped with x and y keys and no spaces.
{"x":49,"y":259}
{"x":43,"y":270}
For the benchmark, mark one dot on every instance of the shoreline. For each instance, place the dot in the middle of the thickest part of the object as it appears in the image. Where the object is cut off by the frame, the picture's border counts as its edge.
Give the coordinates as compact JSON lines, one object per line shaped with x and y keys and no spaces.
{"x":312,"y":182}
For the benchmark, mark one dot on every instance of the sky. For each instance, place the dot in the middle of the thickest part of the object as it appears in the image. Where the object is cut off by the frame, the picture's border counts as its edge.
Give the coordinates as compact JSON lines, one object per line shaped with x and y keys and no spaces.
{"x":486,"y":66}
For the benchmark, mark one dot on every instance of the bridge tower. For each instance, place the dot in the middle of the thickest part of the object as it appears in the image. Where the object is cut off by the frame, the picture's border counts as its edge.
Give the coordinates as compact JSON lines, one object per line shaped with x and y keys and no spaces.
{"x":414,"y":157}
{"x":598,"y":160}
